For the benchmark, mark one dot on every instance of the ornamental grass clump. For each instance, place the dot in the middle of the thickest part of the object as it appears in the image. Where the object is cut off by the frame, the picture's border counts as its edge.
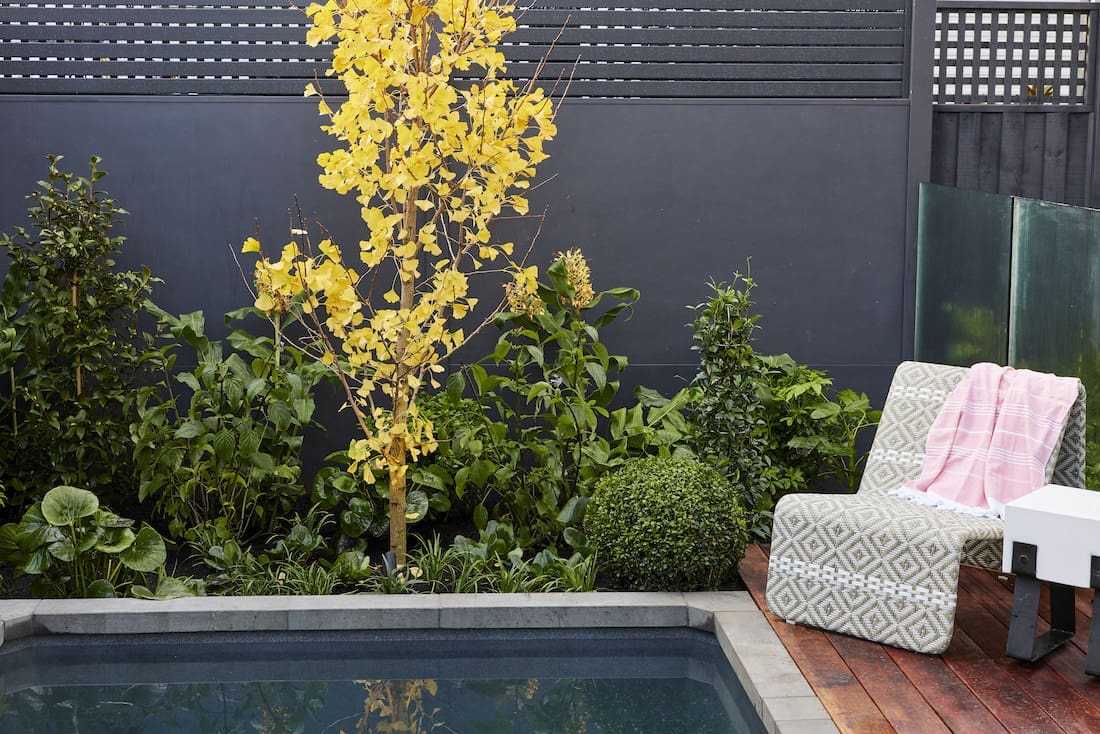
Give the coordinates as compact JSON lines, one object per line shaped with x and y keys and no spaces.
{"x":667,"y":524}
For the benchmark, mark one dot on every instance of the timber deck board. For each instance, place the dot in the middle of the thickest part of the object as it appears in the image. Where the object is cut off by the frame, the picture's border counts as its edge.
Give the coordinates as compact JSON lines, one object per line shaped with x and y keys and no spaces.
{"x":972,"y":687}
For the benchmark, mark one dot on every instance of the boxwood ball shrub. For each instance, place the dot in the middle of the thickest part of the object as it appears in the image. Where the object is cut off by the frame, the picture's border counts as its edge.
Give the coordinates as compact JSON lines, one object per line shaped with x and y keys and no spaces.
{"x":666,"y":524}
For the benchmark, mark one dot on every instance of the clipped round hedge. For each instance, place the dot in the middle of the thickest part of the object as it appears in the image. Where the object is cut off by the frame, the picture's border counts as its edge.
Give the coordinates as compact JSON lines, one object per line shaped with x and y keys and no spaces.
{"x":666,"y":524}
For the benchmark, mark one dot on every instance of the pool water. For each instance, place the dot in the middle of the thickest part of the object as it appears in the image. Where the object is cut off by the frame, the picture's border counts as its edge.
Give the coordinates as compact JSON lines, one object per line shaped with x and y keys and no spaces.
{"x":516,"y":682}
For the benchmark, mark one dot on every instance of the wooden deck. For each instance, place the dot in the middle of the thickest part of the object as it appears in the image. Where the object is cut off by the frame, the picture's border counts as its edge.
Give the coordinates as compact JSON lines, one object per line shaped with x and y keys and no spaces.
{"x":973,"y":687}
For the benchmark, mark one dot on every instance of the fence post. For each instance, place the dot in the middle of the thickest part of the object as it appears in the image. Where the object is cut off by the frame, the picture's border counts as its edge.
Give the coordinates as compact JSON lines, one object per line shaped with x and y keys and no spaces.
{"x":1092,"y":78}
{"x":919,"y":70}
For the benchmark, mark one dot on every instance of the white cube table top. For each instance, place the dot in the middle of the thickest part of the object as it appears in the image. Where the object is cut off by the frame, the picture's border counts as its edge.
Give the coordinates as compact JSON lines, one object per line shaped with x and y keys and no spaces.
{"x":1064,"y":524}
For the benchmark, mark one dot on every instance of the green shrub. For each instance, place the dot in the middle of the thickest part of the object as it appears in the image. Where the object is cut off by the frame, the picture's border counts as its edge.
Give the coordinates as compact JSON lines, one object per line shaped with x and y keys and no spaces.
{"x":71,"y":345}
{"x":294,"y":560}
{"x":771,"y":425}
{"x":809,"y":433}
{"x":667,"y":524}
{"x":547,"y":427}
{"x":493,"y":563}
{"x":226,"y":448}
{"x":730,"y":416}
{"x":74,"y":548}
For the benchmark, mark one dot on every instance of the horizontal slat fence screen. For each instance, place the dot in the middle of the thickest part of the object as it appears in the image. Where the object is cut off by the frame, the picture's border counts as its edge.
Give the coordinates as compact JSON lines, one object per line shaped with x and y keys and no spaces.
{"x":661,"y":48}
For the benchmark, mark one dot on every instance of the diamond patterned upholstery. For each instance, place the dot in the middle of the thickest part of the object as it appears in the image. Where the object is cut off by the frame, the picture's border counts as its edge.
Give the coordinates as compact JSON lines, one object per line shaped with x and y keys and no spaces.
{"x":881,"y":568}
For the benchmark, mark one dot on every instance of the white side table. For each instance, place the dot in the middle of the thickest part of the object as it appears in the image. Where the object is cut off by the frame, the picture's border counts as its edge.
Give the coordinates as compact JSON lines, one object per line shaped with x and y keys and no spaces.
{"x":1052,"y":535}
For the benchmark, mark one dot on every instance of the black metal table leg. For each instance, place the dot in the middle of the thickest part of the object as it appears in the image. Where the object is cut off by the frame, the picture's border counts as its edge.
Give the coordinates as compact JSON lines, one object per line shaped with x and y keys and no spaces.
{"x":1092,"y":661}
{"x":1023,"y":642}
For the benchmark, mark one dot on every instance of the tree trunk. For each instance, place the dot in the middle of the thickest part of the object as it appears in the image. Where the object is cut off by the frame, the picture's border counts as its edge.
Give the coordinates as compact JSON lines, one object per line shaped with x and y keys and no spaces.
{"x":79,"y":366}
{"x":398,"y":505}
{"x":398,"y":447}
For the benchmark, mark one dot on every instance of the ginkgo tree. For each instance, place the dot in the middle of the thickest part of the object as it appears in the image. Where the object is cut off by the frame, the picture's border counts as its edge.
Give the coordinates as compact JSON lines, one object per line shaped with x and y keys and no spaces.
{"x":435,"y":146}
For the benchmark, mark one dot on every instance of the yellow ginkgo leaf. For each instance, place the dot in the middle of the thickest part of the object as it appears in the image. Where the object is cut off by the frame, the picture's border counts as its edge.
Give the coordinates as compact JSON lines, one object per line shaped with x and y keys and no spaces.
{"x":251,"y":245}
{"x":264,"y":302}
{"x":418,"y":14}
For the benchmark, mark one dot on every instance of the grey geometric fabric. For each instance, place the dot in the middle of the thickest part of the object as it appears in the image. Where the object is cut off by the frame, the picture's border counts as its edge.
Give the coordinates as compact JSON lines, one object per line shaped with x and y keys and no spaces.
{"x":876,"y":566}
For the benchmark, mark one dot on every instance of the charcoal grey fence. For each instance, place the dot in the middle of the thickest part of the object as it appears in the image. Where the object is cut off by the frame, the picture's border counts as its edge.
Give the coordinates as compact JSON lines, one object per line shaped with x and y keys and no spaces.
{"x":1015,"y":99}
{"x":675,"y":48}
{"x":694,"y":136}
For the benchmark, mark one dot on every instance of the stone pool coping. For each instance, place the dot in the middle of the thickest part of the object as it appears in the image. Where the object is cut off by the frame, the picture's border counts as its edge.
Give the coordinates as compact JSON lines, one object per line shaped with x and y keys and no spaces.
{"x":774,"y":684}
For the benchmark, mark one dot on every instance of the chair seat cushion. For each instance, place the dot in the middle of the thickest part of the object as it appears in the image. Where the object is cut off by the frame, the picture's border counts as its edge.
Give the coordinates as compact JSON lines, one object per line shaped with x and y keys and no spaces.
{"x":874,"y":566}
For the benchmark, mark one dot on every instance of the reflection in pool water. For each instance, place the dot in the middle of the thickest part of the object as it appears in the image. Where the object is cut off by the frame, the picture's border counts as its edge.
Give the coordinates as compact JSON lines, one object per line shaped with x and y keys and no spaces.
{"x":577,"y":682}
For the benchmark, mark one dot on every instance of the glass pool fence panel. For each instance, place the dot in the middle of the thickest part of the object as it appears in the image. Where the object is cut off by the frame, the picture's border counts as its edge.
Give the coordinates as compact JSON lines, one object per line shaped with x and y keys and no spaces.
{"x":963,"y":265}
{"x":1055,"y":311}
{"x":1009,"y":280}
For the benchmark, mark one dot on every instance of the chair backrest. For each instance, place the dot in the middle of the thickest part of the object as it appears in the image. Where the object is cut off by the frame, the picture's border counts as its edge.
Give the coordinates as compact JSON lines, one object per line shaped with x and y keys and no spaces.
{"x":917,"y":392}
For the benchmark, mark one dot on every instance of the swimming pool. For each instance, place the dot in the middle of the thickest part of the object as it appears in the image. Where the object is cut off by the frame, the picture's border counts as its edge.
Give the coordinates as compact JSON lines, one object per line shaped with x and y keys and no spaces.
{"x":664,"y":681}
{"x":775,"y":687}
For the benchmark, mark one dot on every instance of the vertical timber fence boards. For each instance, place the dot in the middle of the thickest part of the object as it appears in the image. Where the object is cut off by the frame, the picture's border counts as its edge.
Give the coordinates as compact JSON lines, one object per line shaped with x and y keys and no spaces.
{"x":1014,"y":98}
{"x":695,"y":134}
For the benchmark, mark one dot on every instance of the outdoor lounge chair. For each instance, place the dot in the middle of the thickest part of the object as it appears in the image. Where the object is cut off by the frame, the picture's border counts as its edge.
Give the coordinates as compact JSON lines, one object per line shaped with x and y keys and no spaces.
{"x":880,"y":567}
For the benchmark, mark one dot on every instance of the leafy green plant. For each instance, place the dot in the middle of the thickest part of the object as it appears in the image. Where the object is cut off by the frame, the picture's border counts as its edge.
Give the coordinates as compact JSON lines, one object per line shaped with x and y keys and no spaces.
{"x":75,"y":548}
{"x":729,"y":413}
{"x":494,"y":562}
{"x":232,"y":457}
{"x":546,"y":428}
{"x":772,"y":425}
{"x":362,"y":507}
{"x":811,"y":429}
{"x":70,"y":343}
{"x":361,"y":512}
{"x":667,"y":524}
{"x":438,"y":563}
{"x":841,"y":421}
{"x":294,"y":561}
{"x":500,"y":555}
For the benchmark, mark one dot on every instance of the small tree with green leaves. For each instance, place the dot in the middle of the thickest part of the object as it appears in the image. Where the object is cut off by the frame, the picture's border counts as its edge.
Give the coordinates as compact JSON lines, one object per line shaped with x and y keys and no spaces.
{"x":729,"y":413}
{"x":70,"y":343}
{"x":774,"y":426}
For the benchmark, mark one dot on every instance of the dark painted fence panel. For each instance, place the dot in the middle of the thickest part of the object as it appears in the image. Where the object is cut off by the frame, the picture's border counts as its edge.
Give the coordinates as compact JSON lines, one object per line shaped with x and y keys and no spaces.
{"x":689,"y":194}
{"x":783,"y":164}
{"x":1043,"y":155}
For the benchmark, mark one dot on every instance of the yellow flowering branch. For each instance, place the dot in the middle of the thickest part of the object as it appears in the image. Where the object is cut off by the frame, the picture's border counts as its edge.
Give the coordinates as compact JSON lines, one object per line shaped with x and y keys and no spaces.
{"x":432,"y":163}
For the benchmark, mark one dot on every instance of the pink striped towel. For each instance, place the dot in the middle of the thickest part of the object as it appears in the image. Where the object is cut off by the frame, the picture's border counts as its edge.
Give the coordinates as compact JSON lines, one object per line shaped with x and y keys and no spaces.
{"x":992,"y":439}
